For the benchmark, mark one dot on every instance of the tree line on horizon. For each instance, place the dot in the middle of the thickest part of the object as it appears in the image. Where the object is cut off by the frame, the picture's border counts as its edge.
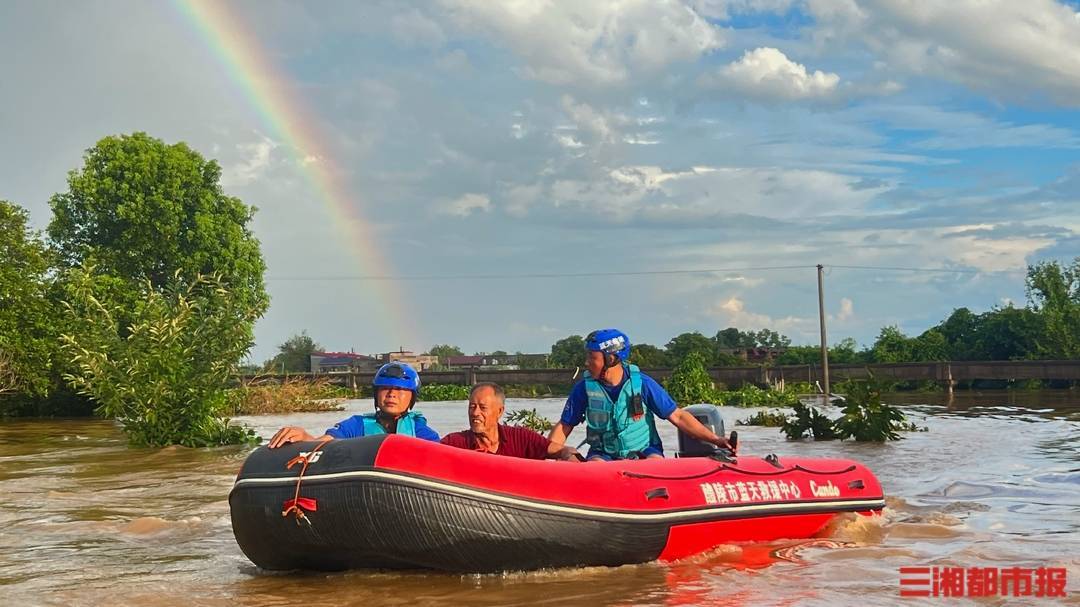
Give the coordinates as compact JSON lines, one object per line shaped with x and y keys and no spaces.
{"x":1046,"y":328}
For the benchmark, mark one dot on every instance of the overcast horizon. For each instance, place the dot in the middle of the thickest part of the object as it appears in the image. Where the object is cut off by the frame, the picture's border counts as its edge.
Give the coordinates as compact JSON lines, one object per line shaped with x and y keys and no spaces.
{"x":522,"y":140}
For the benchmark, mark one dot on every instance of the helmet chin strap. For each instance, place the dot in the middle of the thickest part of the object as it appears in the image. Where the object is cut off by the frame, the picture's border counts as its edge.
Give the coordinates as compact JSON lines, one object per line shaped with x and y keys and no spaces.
{"x":610,"y":360}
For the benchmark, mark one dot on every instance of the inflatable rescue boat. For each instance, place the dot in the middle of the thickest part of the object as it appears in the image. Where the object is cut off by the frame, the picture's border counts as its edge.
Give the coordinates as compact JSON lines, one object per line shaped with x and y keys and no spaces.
{"x":396,"y":502}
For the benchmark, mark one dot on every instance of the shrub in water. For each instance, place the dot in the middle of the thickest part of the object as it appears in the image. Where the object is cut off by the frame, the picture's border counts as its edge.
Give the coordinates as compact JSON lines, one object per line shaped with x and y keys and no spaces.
{"x":769,"y":419}
{"x":529,"y":418}
{"x":164,"y":375}
{"x":808,"y":420}
{"x":436,"y":392}
{"x":690,"y":383}
{"x":865,"y":417}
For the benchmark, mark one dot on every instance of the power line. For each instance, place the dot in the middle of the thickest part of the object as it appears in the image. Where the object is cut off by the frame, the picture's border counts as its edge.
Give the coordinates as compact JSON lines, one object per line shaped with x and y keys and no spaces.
{"x":938,"y":270}
{"x":532,"y":275}
{"x":550,"y":275}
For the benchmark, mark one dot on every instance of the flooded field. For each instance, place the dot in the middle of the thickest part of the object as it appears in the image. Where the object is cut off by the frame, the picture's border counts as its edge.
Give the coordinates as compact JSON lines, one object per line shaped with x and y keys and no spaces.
{"x":86,"y":520}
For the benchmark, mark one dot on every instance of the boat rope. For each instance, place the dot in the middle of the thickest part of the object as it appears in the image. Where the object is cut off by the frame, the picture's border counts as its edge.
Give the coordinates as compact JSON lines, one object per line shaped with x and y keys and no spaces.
{"x":297,"y":504}
{"x":723,"y":467}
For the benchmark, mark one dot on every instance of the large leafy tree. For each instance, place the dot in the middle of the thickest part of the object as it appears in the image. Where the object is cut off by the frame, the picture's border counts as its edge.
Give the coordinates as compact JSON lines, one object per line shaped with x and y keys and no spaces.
{"x":27,"y":330}
{"x":568,"y":352}
{"x":294,"y":356}
{"x":151,"y":213}
{"x":1054,"y":294}
{"x":648,"y":356}
{"x":684,"y":344}
{"x":444,"y":351}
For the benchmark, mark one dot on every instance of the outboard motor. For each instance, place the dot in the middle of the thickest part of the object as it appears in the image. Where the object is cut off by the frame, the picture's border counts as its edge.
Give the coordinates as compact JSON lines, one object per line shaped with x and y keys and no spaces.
{"x":709,"y":416}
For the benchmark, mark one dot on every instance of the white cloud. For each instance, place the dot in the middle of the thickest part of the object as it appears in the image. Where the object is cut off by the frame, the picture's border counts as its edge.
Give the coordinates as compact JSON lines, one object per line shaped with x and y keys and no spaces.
{"x":1011,"y":49}
{"x":724,"y":9}
{"x":732,"y":312}
{"x":766,"y":73}
{"x":847,"y":310}
{"x":255,"y":160}
{"x":652,"y":194}
{"x":413,"y":28}
{"x":466,"y":205}
{"x":598,"y":42}
{"x":597,"y":124}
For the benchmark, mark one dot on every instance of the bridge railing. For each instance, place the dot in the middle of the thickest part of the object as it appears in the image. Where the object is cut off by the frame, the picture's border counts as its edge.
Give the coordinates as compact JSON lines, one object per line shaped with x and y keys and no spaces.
{"x":945,"y":372}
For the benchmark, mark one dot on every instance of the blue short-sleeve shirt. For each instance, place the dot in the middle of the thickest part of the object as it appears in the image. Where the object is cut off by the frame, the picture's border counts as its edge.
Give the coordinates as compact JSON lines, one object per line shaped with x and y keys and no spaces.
{"x":652,"y":394}
{"x":354,"y":427}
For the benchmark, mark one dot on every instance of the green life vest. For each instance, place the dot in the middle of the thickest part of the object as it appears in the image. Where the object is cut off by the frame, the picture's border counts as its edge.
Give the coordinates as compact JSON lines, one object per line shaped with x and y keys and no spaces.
{"x":406,"y":424}
{"x":610,"y":426}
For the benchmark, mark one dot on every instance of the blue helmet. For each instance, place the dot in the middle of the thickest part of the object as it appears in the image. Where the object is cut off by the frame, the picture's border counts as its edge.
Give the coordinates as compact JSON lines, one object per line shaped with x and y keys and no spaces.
{"x":609,"y":341}
{"x":397,"y":375}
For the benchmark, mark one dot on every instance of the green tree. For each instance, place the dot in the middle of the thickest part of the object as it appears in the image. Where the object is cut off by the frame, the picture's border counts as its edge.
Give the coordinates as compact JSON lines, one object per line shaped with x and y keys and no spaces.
{"x":892,"y":346}
{"x":294,"y":356}
{"x":152,"y":213}
{"x":568,"y":352}
{"x":960,"y":330}
{"x":684,"y":344}
{"x":1008,"y":333}
{"x":732,"y":338}
{"x":163,"y":376}
{"x":1053,"y":292}
{"x":930,"y":346}
{"x":648,"y":356}
{"x":444,"y":351}
{"x":27,"y":330}
{"x":690,"y":383}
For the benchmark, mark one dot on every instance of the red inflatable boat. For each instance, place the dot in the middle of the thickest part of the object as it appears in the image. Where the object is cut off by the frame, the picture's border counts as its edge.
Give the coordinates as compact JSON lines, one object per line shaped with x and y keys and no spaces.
{"x":399,"y":502}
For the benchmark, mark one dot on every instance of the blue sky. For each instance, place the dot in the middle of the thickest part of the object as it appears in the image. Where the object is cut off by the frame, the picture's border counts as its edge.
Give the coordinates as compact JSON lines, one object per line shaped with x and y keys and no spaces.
{"x":600,"y":137}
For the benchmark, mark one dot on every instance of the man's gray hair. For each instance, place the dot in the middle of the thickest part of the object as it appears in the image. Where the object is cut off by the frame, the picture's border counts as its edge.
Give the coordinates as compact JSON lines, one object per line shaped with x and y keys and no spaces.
{"x":496,"y":388}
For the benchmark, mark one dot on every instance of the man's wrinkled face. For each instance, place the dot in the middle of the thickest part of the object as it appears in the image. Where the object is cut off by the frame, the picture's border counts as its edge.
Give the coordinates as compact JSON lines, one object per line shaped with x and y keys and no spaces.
{"x":393,"y":401}
{"x":485,"y":409}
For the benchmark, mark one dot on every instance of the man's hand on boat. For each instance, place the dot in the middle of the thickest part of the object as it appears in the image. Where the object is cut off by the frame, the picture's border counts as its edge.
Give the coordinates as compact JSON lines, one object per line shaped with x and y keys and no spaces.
{"x":291,"y":434}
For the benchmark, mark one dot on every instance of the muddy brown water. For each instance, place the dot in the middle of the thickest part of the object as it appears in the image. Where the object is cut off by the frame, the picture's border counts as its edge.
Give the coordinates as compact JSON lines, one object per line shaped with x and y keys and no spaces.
{"x":86,"y":520}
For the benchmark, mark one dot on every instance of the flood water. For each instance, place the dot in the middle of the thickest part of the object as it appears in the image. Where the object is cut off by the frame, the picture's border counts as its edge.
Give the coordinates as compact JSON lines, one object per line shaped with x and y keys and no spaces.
{"x":86,"y":520}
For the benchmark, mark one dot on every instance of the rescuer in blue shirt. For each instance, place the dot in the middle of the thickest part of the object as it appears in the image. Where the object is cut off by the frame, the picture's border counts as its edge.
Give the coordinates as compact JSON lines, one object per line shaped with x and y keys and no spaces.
{"x":395,"y":387}
{"x":619,"y":404}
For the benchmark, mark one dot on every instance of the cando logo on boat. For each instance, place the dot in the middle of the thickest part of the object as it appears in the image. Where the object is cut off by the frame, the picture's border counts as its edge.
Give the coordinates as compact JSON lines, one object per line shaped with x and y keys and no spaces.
{"x":311,"y":457}
{"x":826,"y":490}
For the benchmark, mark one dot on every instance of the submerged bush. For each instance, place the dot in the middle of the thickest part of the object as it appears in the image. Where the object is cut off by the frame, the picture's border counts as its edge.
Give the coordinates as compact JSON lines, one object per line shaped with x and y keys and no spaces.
{"x":436,"y":392}
{"x":290,"y":396}
{"x":769,"y":419}
{"x":750,"y":395}
{"x":529,"y":418}
{"x":865,"y":417}
{"x":808,"y":420}
{"x":163,"y":373}
{"x":690,"y":383}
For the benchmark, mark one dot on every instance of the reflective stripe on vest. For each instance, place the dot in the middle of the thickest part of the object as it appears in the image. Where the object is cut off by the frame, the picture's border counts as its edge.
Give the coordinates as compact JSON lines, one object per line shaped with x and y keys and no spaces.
{"x":610,"y":427}
{"x":406,"y":424}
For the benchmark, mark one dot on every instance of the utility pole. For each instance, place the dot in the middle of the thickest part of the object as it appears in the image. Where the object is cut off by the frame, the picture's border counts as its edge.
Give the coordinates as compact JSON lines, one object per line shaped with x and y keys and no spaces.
{"x":824,"y":341}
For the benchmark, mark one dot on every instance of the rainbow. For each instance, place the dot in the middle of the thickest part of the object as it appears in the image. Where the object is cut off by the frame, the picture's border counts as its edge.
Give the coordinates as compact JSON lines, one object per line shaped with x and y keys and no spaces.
{"x":284,"y":113}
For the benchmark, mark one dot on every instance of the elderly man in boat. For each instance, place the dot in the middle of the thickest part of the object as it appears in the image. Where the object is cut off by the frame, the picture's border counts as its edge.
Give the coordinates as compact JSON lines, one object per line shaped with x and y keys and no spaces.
{"x":619,"y":404}
{"x":395,"y":387}
{"x":487,"y":402}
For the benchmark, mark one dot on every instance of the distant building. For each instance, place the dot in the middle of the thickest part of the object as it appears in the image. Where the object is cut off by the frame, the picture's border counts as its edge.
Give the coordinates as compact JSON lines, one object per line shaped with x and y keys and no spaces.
{"x":420,"y":362}
{"x":497,"y":361}
{"x":343,"y":362}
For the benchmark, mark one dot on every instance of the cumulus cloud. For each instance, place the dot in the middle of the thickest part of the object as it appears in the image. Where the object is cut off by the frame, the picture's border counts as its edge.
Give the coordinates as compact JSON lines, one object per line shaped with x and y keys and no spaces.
{"x":594,"y":43}
{"x":653,"y":195}
{"x":255,"y":158}
{"x":466,"y":205}
{"x":1011,"y":49}
{"x":767,"y":73}
{"x":847,"y":310}
{"x":732,"y":312}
